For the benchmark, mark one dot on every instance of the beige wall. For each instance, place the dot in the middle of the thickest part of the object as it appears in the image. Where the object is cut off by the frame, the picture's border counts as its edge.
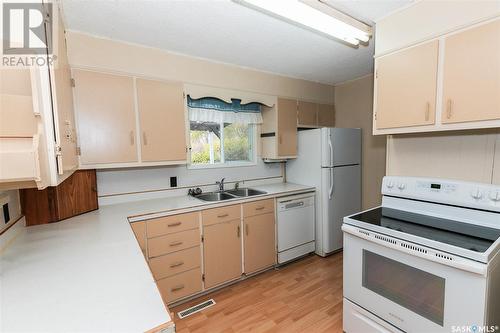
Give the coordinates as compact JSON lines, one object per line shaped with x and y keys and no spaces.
{"x":91,"y":52}
{"x":426,"y":19}
{"x":354,"y":107}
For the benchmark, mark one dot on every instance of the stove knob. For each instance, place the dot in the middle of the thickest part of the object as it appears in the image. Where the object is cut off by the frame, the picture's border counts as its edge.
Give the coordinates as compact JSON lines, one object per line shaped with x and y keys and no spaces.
{"x":402,"y":186}
{"x":477,"y":194}
{"x":390,"y":184}
{"x":495,"y":196}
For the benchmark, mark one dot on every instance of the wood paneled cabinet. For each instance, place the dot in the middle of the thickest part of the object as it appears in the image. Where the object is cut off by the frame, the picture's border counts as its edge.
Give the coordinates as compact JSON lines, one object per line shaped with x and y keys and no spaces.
{"x":464,"y":80}
{"x":406,"y":84}
{"x":221,"y":246}
{"x":313,"y":115}
{"x":107,"y":108}
{"x":259,"y":235}
{"x":471,"y":77}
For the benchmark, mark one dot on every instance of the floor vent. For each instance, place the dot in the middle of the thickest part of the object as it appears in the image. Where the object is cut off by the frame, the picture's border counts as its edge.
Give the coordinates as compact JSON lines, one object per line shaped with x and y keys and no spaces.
{"x":196,"y":308}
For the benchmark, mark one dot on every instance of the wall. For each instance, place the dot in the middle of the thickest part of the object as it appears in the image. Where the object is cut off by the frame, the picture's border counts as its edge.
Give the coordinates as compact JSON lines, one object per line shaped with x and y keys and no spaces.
{"x":12,"y":197}
{"x":354,"y":107}
{"x":463,"y":155}
{"x":89,"y":52}
{"x":429,"y":18}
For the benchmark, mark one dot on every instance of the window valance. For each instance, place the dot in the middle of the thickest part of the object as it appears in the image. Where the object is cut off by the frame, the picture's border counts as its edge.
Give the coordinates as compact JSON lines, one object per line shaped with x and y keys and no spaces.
{"x":211,"y":109}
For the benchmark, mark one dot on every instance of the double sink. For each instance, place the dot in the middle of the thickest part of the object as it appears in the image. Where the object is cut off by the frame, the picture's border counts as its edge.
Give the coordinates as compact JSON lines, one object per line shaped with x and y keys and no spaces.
{"x":229,"y":194}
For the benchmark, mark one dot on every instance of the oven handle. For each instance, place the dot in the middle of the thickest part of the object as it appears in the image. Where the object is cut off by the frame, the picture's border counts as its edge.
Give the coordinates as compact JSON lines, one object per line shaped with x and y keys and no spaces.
{"x":462,"y":264}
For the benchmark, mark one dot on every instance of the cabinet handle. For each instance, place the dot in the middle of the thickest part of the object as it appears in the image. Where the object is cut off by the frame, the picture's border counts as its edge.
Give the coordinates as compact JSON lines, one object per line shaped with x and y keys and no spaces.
{"x":238,"y":231}
{"x":144,"y":138}
{"x":177,"y":264}
{"x":448,"y":109}
{"x":175,"y":243}
{"x":260,"y":208}
{"x":246,"y":229}
{"x":177,"y":288}
{"x":427,"y":111}
{"x":132,"y":139}
{"x":174,"y":224}
{"x":223,"y":215}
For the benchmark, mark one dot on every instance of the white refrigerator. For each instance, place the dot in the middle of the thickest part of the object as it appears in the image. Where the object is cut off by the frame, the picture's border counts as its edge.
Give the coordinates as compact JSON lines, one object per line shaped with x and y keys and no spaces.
{"x":330,"y":160}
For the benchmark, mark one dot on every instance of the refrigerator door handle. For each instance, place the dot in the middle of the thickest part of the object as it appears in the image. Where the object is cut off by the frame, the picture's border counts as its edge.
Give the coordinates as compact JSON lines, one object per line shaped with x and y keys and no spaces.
{"x":331,"y":150}
{"x":330,"y":192}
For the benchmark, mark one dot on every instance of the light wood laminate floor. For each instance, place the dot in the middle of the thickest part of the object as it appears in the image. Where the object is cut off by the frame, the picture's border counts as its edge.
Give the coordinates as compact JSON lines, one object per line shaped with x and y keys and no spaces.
{"x":305,"y":296}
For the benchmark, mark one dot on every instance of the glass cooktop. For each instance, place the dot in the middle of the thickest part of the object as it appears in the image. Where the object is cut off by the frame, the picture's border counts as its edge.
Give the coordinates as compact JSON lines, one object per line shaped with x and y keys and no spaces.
{"x":464,"y":235}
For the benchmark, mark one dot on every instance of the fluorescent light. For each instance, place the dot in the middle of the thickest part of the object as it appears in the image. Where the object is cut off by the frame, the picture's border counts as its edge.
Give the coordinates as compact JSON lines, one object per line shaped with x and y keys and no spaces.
{"x":309,"y":17}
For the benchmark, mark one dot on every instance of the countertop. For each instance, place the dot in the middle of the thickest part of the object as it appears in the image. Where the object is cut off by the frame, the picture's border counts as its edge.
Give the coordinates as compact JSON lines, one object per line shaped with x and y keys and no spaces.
{"x":88,"y":274}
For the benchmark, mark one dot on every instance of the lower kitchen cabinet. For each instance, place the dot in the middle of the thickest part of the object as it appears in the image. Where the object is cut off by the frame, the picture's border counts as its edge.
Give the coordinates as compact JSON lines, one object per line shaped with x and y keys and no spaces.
{"x":259,"y":242}
{"x":180,"y":285}
{"x":222,"y":252}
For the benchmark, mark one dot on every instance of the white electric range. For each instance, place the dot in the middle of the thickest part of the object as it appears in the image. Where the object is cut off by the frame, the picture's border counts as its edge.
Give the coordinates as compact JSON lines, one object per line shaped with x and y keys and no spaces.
{"x":427,"y":260}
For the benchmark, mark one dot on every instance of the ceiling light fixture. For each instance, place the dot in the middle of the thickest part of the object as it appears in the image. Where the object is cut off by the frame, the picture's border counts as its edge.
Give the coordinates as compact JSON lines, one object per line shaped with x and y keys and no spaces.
{"x":314,"y":15}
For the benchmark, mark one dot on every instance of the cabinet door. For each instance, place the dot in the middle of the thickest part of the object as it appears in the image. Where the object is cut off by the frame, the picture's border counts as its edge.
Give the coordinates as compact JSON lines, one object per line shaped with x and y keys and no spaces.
{"x":77,"y":194}
{"x":163,"y":126}
{"x":406,"y":87}
{"x":106,"y":117}
{"x":222,"y":252}
{"x":307,"y":114}
{"x":471,"y":84}
{"x":63,"y":104}
{"x":286,"y":134}
{"x":260,"y":247}
{"x":326,"y":115}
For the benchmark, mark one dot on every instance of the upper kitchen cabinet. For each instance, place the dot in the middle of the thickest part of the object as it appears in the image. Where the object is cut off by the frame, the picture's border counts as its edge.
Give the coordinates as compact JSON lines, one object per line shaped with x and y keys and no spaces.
{"x":405,"y":87}
{"x":326,"y":115}
{"x":451,"y":82}
{"x":471,"y":79}
{"x":307,"y":114}
{"x":279,"y":130}
{"x":162,"y":121}
{"x":106,"y":118}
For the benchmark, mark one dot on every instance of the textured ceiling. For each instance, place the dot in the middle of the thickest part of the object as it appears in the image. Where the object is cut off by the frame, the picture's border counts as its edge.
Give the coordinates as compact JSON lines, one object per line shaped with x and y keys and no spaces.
{"x":223,"y":31}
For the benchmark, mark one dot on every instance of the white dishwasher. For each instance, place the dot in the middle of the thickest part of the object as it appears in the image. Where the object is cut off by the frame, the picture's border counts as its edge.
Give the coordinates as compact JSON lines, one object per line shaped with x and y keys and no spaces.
{"x":295,"y":226}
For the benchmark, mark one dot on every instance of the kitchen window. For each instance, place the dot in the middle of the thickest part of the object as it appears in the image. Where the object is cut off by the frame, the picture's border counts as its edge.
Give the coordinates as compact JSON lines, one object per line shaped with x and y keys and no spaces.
{"x":222,"y":134}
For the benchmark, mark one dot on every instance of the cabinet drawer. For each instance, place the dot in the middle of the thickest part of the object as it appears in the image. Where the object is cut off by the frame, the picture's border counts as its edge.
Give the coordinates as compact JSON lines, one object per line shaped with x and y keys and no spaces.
{"x":180,"y":285}
{"x":218,"y":215}
{"x":170,"y":224}
{"x":175,"y":263}
{"x":258,"y":207}
{"x":173,"y":242}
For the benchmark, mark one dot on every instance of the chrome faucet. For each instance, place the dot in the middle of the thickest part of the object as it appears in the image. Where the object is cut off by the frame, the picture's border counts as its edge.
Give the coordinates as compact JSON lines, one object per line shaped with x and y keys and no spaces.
{"x":221,"y":184}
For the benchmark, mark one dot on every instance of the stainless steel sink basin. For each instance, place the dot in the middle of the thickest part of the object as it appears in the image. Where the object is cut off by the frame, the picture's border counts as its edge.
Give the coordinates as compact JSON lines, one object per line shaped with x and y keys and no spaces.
{"x":215,"y":196}
{"x":245,"y":192}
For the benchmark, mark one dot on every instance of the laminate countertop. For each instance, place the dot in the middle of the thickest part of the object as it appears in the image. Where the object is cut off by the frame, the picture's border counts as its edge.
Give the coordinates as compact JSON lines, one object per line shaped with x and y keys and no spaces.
{"x":88,"y":274}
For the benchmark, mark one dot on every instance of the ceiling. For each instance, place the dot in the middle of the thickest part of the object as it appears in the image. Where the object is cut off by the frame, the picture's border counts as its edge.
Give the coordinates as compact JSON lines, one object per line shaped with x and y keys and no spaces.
{"x":226,"y":32}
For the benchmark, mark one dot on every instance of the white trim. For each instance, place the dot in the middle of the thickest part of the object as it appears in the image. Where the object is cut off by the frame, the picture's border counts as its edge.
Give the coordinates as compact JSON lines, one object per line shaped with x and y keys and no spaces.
{"x":130,"y":165}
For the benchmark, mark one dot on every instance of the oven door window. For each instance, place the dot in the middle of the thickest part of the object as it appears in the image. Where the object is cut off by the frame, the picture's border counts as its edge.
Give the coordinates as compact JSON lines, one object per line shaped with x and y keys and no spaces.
{"x":414,"y":289}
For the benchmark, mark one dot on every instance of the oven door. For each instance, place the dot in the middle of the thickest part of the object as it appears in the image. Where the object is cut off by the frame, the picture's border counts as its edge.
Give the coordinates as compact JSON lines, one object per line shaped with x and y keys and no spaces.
{"x":411,"y":293}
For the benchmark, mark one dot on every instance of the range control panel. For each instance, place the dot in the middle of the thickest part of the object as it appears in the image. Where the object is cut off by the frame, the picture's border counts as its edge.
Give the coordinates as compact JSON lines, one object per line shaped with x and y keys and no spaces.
{"x":466,"y":194}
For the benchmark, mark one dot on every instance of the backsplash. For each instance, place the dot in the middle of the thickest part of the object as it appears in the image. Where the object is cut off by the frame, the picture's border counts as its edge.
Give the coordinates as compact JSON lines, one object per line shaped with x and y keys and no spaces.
{"x":132,"y":184}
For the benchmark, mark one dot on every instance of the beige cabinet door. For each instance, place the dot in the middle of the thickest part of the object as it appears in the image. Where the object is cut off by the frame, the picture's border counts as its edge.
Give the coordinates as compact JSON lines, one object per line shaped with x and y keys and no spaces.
{"x":471,"y":83}
{"x":222,"y":252}
{"x":106,"y":117}
{"x":286,"y":134}
{"x":259,"y":242}
{"x":63,"y":94}
{"x":326,"y":115}
{"x":163,"y":126}
{"x":406,"y":87}
{"x":307,"y":114}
